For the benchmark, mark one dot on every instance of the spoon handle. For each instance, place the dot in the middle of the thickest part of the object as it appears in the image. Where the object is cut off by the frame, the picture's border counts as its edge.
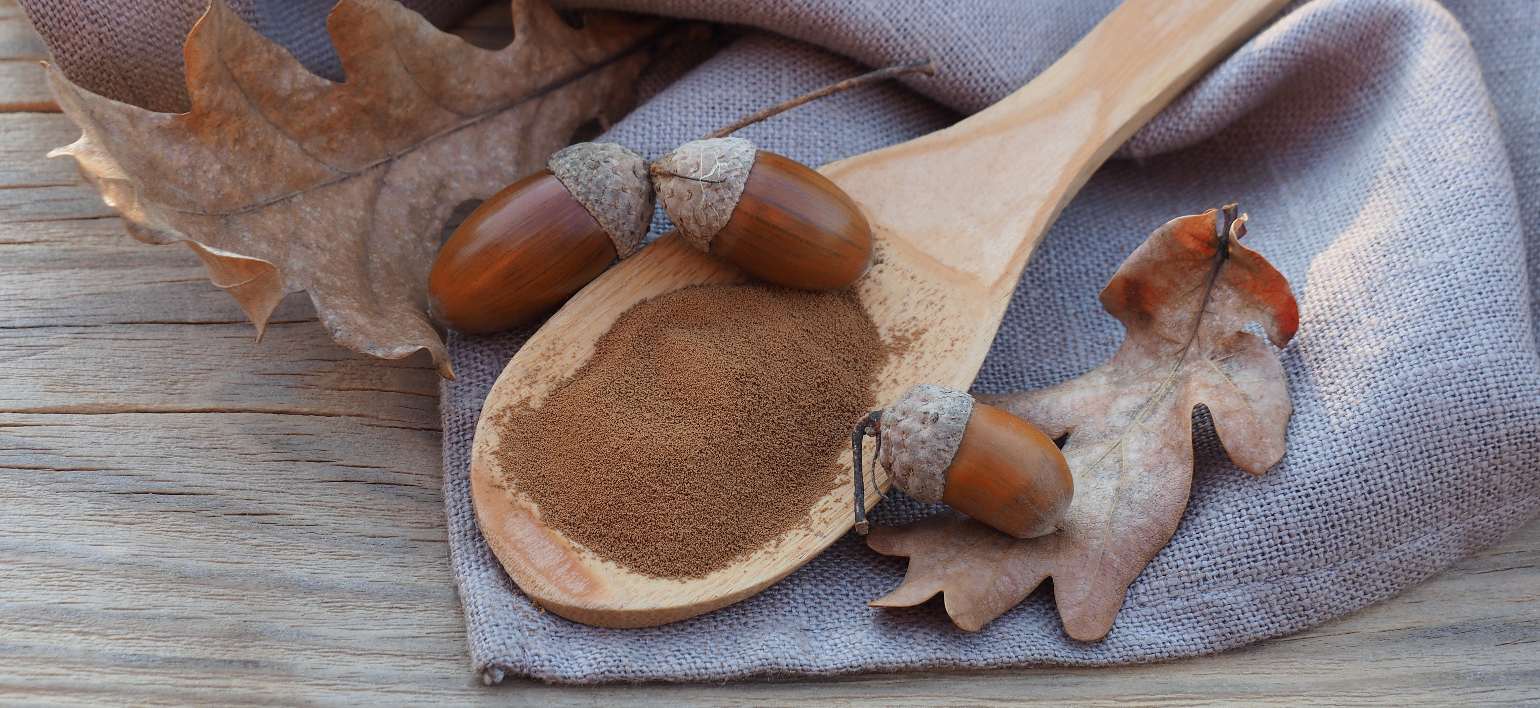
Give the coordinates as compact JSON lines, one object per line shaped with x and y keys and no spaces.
{"x":1000,"y":177}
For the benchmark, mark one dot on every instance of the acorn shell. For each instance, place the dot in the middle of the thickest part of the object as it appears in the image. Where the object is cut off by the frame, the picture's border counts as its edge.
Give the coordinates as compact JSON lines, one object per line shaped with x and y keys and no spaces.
{"x":611,"y":183}
{"x":795,"y":227}
{"x":1009,"y":475}
{"x":516,"y":257}
{"x":777,"y":219}
{"x":940,"y":446}
{"x":920,"y":436}
{"x":700,"y":183}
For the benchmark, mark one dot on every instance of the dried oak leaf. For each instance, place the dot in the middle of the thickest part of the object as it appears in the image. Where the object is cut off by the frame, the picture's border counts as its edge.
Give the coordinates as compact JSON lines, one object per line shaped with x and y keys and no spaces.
{"x":281,"y":180}
{"x":1184,"y":296}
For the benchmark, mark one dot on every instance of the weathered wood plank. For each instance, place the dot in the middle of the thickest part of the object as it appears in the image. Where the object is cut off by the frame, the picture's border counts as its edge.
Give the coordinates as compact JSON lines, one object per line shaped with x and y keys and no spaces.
{"x":25,"y":138}
{"x":156,"y":620}
{"x":32,"y":94}
{"x":296,"y":368}
{"x":56,"y":230}
{"x":20,"y":50}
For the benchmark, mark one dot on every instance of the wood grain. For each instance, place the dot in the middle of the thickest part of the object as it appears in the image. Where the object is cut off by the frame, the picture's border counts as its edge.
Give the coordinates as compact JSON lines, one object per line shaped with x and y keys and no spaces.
{"x":191,"y":517}
{"x":25,"y":90}
{"x":956,"y":214}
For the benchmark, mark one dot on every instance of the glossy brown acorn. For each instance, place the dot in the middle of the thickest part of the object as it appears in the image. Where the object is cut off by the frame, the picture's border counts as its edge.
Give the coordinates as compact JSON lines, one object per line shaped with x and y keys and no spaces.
{"x":939,"y":445}
{"x":773,"y":217}
{"x":541,"y":239}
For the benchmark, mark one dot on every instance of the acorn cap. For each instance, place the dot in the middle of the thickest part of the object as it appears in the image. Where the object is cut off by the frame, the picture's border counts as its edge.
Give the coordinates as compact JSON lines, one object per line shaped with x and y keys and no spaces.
{"x":700,"y":183}
{"x":920,"y":435}
{"x":610,"y":182}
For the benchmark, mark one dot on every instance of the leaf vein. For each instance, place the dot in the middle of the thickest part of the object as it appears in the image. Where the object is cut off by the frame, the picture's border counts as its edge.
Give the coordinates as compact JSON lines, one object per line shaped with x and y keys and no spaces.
{"x":475,"y":119}
{"x":255,"y":109}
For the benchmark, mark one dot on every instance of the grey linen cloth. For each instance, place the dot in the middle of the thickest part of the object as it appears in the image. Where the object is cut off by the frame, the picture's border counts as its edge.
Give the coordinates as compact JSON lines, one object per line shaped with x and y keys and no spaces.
{"x":1391,"y":169}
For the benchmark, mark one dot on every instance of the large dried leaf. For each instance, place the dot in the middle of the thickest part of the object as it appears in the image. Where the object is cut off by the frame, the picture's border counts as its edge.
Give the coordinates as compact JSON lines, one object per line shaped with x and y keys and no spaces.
{"x":1184,"y":296}
{"x":281,"y":180}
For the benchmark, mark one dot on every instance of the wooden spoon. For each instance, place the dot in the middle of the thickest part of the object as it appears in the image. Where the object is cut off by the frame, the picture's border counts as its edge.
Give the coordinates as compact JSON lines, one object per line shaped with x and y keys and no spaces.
{"x":956,"y":214}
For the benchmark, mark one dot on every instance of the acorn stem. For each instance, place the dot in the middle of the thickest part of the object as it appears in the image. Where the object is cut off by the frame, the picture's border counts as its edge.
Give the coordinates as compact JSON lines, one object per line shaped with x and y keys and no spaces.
{"x":870,"y":425}
{"x":926,"y":67}
{"x":1232,"y":221}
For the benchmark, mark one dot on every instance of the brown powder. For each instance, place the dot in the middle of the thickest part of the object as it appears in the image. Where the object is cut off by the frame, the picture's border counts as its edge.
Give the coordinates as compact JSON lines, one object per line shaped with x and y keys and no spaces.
{"x":707,"y":422}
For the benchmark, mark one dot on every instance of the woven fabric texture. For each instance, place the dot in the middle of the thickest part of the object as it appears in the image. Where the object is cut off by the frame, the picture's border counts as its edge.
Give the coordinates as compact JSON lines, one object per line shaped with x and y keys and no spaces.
{"x":131,"y":50}
{"x":1388,"y":152}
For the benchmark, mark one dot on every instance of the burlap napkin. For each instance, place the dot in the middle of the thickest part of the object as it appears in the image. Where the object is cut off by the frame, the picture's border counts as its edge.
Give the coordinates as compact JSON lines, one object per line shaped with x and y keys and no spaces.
{"x":1391,"y":171}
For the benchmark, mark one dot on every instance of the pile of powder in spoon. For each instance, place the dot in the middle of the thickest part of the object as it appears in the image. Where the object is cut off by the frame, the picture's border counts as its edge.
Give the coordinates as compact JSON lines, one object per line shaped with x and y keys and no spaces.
{"x":706,"y":424}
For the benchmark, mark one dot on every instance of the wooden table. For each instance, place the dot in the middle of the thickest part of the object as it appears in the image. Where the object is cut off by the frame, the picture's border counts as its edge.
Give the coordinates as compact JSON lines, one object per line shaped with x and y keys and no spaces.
{"x":187,"y":515}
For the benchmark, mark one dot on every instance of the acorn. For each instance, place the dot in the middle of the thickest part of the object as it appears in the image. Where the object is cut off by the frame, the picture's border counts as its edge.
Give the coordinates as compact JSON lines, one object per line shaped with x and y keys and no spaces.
{"x":775,"y":218}
{"x":940,"y":445}
{"x":541,"y":239}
